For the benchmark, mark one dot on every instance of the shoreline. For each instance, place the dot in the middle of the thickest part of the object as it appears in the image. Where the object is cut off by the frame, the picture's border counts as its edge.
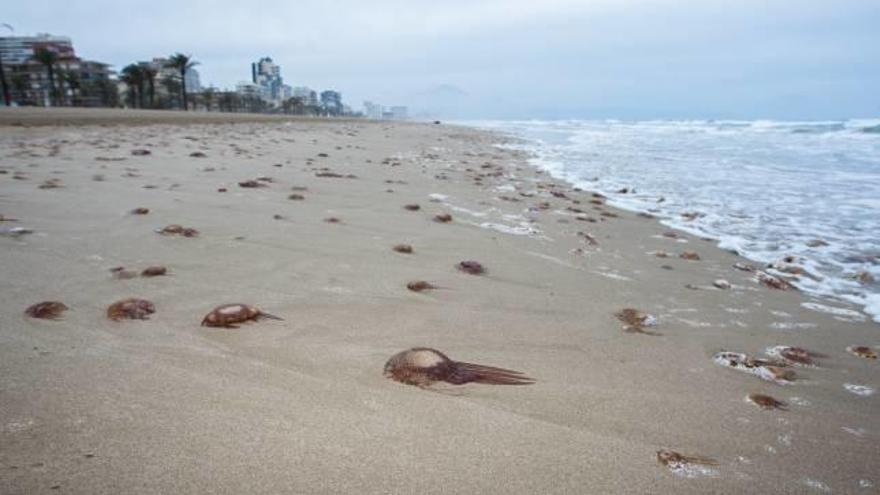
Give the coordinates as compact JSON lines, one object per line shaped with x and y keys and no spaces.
{"x":301,"y":405}
{"x":809,"y":270}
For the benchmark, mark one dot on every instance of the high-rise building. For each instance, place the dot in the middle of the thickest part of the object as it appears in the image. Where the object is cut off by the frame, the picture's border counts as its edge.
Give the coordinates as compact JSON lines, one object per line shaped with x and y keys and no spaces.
{"x":399,"y":113}
{"x":20,"y":49}
{"x":250,"y":90}
{"x":193,"y":83}
{"x":75,"y":81}
{"x":376,"y":111}
{"x":332,"y":102}
{"x":308,"y":95}
{"x":372,"y":110}
{"x":266,"y":74}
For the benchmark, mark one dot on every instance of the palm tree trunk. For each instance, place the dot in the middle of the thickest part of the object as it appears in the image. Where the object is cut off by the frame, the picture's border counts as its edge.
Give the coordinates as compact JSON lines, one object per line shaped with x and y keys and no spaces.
{"x":52,"y":92}
{"x":183,"y":88}
{"x":6,"y":96}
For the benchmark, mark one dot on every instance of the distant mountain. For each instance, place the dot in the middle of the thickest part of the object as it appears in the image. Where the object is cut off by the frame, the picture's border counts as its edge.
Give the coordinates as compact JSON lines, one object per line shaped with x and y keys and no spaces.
{"x":444,"y":100}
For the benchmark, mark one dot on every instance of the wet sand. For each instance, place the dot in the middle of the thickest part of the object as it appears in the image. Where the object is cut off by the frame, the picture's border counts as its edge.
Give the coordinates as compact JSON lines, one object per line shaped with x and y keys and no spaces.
{"x":164,"y":405}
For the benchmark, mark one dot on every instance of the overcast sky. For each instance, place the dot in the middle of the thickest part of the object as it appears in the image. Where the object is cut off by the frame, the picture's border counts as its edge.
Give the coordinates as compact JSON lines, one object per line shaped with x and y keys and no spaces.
{"x":798,"y":59}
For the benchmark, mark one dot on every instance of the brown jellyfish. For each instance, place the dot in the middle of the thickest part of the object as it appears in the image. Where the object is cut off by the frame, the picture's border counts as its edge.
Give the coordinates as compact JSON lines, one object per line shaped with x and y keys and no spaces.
{"x":53,"y":183}
{"x":154,"y":271}
{"x":403,"y":248}
{"x":797,"y":355}
{"x":690,"y":256}
{"x":766,"y":402}
{"x":676,"y":461}
{"x":47,"y":310}
{"x":422,"y":366}
{"x":420,"y":285}
{"x":296,"y":197}
{"x":635,"y":321}
{"x":228,"y":315}
{"x":412,"y":207}
{"x":772,"y":282}
{"x":175,"y":229}
{"x":251,"y":184}
{"x":862,"y":351}
{"x":132,"y":309}
{"x":332,"y":220}
{"x":140,"y":211}
{"x":471,"y":267}
{"x":141,"y":152}
{"x":198,"y":154}
{"x":122,"y":274}
{"x":777,"y":373}
{"x":443,"y":218}
{"x":773,"y":371}
{"x":744,"y":267}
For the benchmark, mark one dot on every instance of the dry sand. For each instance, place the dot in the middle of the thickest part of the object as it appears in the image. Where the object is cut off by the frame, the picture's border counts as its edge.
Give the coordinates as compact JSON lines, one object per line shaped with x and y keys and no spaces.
{"x":89,"y":405}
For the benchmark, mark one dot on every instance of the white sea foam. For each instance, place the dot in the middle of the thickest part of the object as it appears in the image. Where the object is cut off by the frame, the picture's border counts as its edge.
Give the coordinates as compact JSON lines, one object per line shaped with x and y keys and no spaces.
{"x":817,"y":485}
{"x":765,"y":189}
{"x":842,"y":313}
{"x":862,"y":390}
{"x":859,"y":432}
{"x":741,"y":362}
{"x":613,"y":276}
{"x":522,"y":229}
{"x":690,"y":470}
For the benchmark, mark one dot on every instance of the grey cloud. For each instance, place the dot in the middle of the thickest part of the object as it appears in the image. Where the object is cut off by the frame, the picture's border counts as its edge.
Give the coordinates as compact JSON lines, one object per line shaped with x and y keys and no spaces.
{"x":514,"y":58}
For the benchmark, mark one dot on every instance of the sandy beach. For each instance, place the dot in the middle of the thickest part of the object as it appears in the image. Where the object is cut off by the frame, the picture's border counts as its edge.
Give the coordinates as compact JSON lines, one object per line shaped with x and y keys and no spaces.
{"x":164,"y":405}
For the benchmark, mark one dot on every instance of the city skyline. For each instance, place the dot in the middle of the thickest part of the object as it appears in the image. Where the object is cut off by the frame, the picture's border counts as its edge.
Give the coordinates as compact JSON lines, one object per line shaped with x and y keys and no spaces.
{"x":517,"y":59}
{"x":61,"y":77}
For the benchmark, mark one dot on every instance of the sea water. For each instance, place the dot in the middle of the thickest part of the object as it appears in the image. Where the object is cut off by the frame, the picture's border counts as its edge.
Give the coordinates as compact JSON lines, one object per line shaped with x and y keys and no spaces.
{"x":764,"y":189}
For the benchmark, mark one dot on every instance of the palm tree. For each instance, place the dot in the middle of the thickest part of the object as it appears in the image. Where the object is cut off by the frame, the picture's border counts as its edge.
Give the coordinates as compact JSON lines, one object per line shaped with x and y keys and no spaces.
{"x":172,"y":87}
{"x":149,"y":74}
{"x":7,"y":98}
{"x":133,"y":77}
{"x":229,"y":101}
{"x":72,"y":79}
{"x":107,"y":93}
{"x":182,"y":63}
{"x":208,"y":98}
{"x":48,"y":58}
{"x":295,"y":105}
{"x":21,"y":84}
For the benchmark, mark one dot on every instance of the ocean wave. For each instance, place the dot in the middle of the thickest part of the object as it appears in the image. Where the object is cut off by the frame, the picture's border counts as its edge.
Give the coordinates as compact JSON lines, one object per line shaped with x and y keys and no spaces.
{"x":764,"y":189}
